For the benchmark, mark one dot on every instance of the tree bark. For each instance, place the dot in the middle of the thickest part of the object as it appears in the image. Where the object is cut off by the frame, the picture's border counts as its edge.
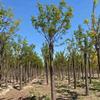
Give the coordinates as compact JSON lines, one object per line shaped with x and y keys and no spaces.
{"x":89,"y":69}
{"x":53,"y":96}
{"x":98,"y":56}
{"x":20,"y":77}
{"x":82,"y":71}
{"x":0,"y":75}
{"x":46,"y":69}
{"x":69,"y":72}
{"x":74,"y":71}
{"x":86,"y":74}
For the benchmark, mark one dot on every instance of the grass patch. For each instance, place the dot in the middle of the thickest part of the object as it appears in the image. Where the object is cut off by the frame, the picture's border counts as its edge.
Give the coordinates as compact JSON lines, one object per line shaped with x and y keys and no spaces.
{"x":95,"y":86}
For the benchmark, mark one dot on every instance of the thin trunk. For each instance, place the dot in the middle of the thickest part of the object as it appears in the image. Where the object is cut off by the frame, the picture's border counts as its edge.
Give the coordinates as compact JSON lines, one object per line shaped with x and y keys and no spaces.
{"x":89,"y":64}
{"x":98,"y":55}
{"x":79,"y":73}
{"x":98,"y":73}
{"x":37,"y":71}
{"x":92,"y":72}
{"x":69,"y":72}
{"x":46,"y":70}
{"x":29,"y":71}
{"x":82,"y":71}
{"x":86,"y":74}
{"x":0,"y":75}
{"x":53,"y":96}
{"x":20,"y":77}
{"x":62,"y":74}
{"x":74,"y":72}
{"x":6,"y":80}
{"x":1,"y":60}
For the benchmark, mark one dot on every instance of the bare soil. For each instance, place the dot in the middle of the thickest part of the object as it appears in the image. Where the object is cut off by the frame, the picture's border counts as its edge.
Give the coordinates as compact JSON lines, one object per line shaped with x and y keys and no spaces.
{"x":63,"y":92}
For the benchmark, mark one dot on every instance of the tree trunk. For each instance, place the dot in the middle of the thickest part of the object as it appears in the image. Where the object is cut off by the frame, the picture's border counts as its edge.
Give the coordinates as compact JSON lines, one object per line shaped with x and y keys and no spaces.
{"x":79,"y":72}
{"x":74,"y":71}
{"x":46,"y":69}
{"x":82,"y":71}
{"x":89,"y":69}
{"x":29,"y":71}
{"x":92,"y":72}
{"x":86,"y":74}
{"x":0,"y":75}
{"x":20,"y":77}
{"x":53,"y":96}
{"x":6,"y":80}
{"x":69,"y":72}
{"x":98,"y":55}
{"x":98,"y":73}
{"x":1,"y":65}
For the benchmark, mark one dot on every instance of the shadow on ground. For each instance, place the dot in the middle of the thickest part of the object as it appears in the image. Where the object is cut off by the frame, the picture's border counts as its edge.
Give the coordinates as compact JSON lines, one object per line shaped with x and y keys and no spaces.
{"x":66,"y":94}
{"x":7,"y":99}
{"x":35,"y":98}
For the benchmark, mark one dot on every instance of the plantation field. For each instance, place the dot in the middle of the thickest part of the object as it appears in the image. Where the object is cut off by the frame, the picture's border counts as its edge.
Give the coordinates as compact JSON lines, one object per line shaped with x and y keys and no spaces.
{"x":64,"y":91}
{"x":49,"y":49}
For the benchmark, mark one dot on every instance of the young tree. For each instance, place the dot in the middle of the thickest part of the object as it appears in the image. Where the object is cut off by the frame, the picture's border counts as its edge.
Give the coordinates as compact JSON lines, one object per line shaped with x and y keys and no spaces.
{"x":8,"y":27}
{"x":94,"y":29}
{"x":60,"y":64}
{"x":45,"y":54}
{"x":52,"y":22}
{"x":72,"y":50}
{"x":85,"y":44}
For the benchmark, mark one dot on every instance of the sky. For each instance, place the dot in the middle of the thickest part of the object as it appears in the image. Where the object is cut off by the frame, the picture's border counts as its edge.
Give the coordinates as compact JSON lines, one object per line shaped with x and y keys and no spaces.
{"x":24,"y":9}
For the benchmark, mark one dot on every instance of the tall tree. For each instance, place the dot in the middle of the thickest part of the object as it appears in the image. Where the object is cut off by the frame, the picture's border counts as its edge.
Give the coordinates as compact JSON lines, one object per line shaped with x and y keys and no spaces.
{"x":8,"y":27}
{"x":52,"y":22}
{"x":45,"y":54}
{"x":94,"y":29}
{"x":72,"y":50}
{"x":85,"y":44}
{"x":60,"y":64}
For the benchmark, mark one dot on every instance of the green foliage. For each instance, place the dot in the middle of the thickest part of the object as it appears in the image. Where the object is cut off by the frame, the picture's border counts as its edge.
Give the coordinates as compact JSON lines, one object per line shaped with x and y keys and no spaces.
{"x":86,"y":21}
{"x":96,"y":85}
{"x":7,"y":24}
{"x":8,"y":27}
{"x":83,"y":39}
{"x":45,"y":51}
{"x":95,"y":2}
{"x":52,"y":20}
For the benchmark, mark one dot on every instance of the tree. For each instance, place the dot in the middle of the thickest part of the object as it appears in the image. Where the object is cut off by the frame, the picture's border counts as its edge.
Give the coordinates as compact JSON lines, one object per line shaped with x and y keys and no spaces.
{"x":72,"y":50}
{"x":45,"y":54}
{"x":94,"y":29}
{"x":8,"y":27}
{"x":52,"y":22}
{"x":85,"y":44}
{"x":60,"y":64}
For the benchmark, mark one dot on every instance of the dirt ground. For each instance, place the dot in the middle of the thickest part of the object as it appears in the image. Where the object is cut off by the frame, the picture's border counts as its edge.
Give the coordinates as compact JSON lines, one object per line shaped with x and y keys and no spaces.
{"x":29,"y":90}
{"x":63,"y":92}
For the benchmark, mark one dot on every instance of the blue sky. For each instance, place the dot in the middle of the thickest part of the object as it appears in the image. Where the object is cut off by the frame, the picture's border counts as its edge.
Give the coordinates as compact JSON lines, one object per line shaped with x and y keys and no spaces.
{"x":24,"y":9}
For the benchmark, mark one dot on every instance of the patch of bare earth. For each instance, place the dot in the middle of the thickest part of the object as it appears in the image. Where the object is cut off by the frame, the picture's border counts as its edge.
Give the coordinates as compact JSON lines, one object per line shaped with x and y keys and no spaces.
{"x":15,"y":94}
{"x":63,"y":92}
